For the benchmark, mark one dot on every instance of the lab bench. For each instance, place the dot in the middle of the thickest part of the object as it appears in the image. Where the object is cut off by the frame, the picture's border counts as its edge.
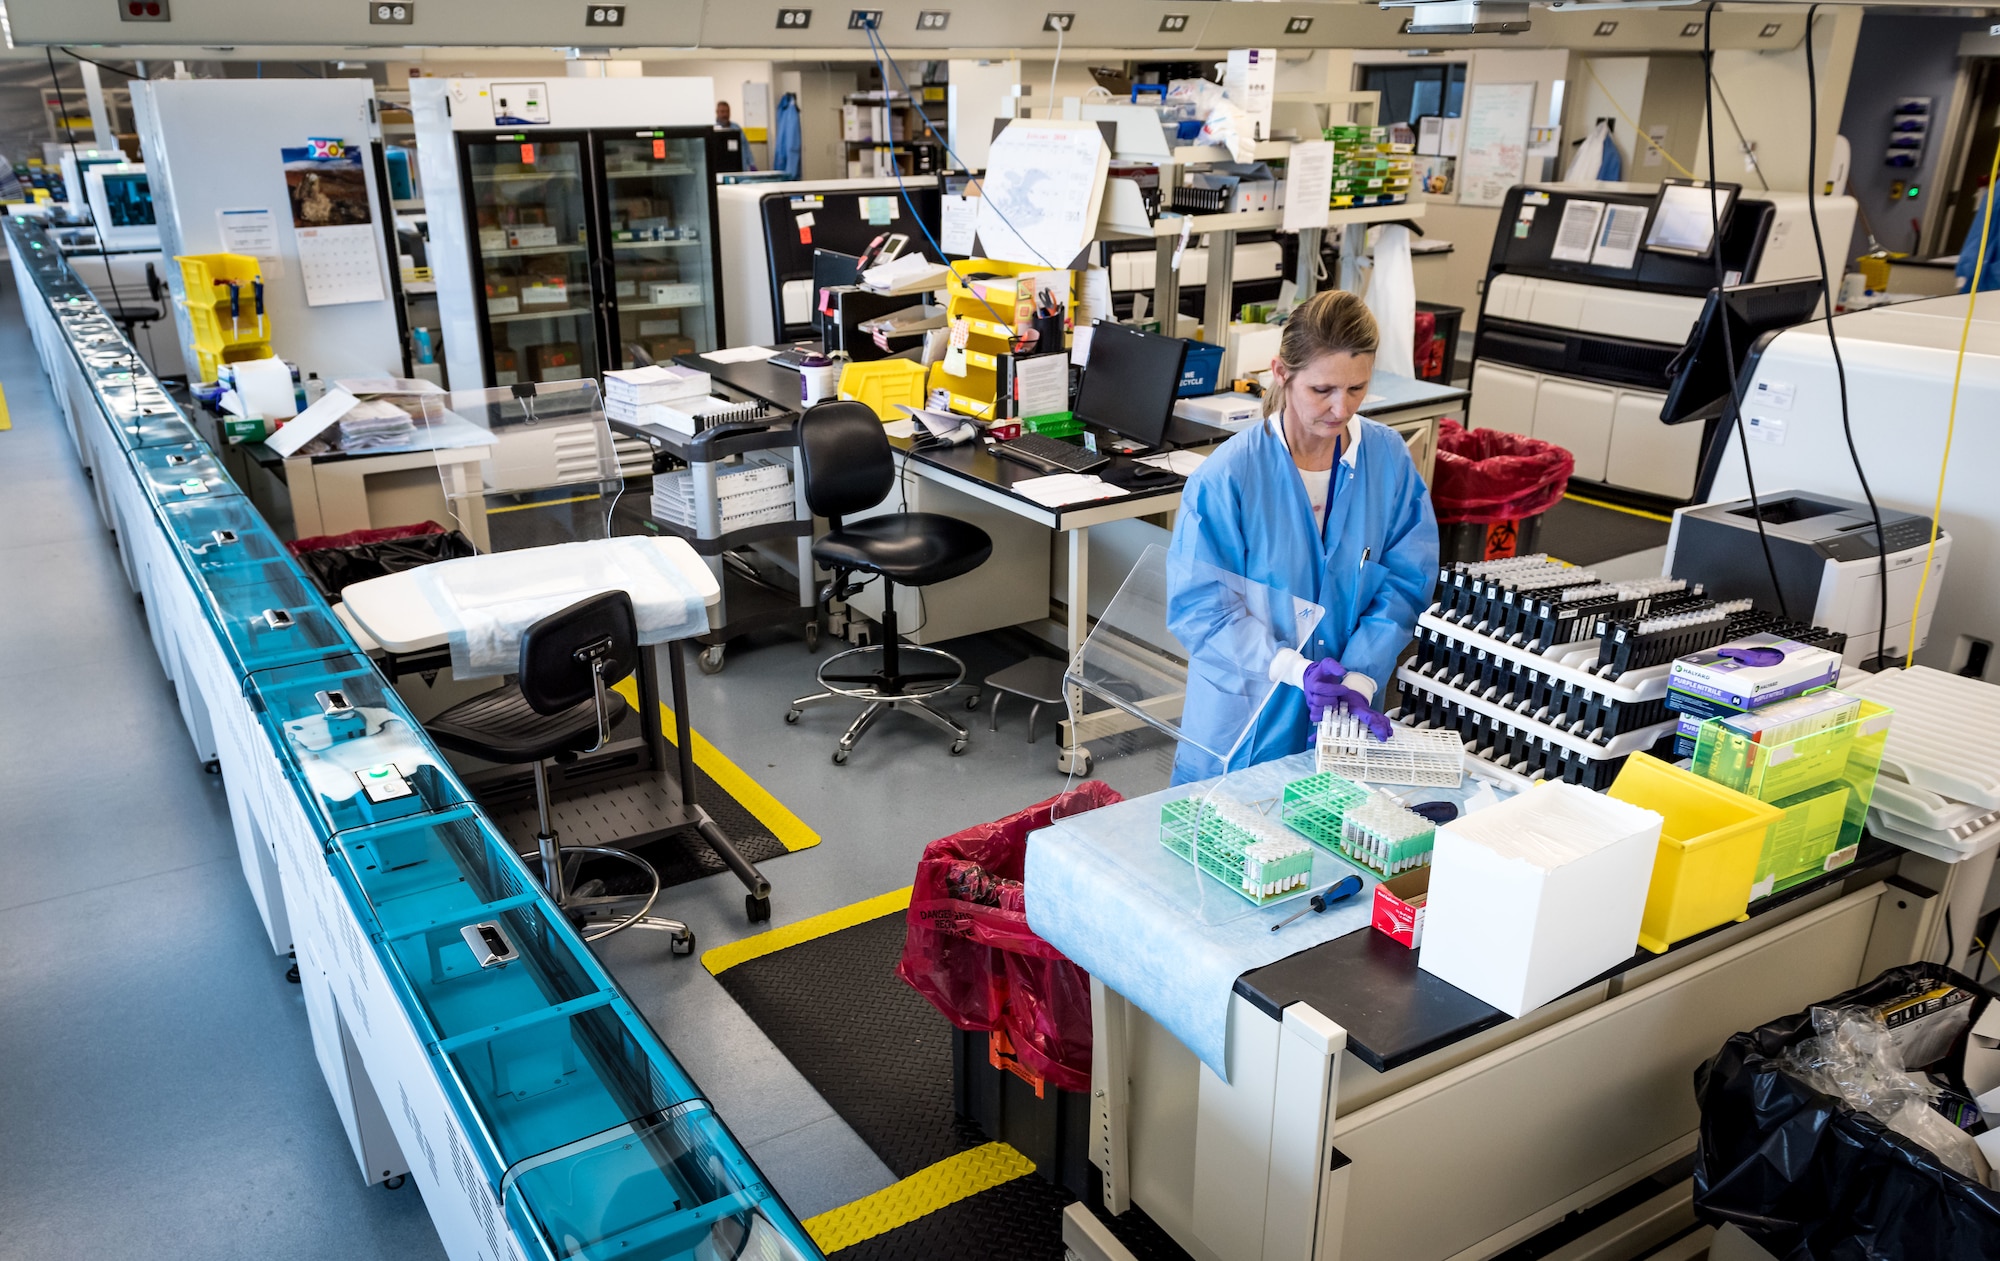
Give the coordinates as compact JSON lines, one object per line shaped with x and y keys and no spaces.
{"x":1372,"y":1111}
{"x":467,"y":1035}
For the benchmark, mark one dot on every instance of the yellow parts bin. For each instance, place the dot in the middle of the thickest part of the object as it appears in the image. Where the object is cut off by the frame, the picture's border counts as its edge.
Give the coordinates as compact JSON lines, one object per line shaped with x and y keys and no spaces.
{"x":220,"y":338}
{"x":985,"y":316}
{"x":1710,"y":840}
{"x":882,"y":384}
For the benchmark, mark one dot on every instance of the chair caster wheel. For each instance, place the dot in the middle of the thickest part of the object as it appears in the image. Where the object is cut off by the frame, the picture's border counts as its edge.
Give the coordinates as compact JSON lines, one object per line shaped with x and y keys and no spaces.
{"x":682,"y":943}
{"x":812,"y":636}
{"x":395,"y":1183}
{"x":840,"y":757}
{"x":792,"y":717}
{"x":958,"y":747}
{"x":212,"y":767}
{"x":292,"y":974}
{"x":710,"y":660}
{"x":972,"y":701}
{"x":759,"y":909}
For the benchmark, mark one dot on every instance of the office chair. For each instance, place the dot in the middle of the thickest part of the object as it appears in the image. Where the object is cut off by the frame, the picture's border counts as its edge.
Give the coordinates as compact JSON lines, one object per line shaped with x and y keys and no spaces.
{"x":847,"y":466}
{"x":561,"y":706}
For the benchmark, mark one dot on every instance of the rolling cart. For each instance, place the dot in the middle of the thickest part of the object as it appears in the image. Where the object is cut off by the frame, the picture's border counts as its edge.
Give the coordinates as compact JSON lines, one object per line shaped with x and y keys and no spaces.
{"x":755,"y":594}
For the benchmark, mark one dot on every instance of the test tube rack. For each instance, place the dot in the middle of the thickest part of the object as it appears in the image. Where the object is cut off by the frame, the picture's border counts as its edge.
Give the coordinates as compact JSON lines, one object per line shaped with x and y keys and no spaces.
{"x":1237,"y":845}
{"x":1315,"y":806}
{"x":1429,"y":759}
{"x":1385,"y":836}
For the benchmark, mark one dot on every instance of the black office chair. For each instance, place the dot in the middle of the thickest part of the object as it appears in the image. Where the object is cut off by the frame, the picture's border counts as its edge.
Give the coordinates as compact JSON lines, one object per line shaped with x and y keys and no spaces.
{"x":563,"y":705}
{"x":847,"y":467}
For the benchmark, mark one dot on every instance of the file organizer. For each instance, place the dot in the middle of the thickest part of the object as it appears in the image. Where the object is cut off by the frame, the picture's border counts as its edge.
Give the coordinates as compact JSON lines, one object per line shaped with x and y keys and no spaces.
{"x":1822,"y":779}
{"x":560,"y":1118}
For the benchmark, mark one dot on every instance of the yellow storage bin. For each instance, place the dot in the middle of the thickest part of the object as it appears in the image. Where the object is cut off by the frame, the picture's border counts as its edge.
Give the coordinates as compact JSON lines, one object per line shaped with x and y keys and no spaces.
{"x":882,"y":384}
{"x":1709,"y":845}
{"x":214,"y":331}
{"x":209,"y":362}
{"x":202,"y":272}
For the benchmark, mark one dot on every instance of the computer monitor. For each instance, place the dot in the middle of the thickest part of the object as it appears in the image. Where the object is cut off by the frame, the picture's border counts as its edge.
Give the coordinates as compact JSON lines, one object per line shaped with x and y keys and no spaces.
{"x":75,"y":162}
{"x":1703,"y":375}
{"x":121,"y":207}
{"x":1686,"y":217}
{"x":831,"y":269}
{"x":1131,"y":381}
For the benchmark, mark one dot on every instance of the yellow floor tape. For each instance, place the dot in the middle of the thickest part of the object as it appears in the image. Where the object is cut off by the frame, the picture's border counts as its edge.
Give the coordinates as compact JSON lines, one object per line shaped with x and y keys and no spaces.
{"x":925,"y":1191}
{"x":722,"y":958}
{"x":1630,"y":512}
{"x":791,"y":831}
{"x":6,"y":421}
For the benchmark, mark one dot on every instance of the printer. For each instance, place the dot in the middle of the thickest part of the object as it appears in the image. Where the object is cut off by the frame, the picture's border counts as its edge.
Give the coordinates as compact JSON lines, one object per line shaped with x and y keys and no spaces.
{"x":1826,"y":556}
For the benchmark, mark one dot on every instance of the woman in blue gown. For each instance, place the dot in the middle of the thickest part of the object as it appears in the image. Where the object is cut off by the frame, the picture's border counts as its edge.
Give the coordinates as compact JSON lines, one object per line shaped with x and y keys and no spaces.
{"x":1315,"y":503}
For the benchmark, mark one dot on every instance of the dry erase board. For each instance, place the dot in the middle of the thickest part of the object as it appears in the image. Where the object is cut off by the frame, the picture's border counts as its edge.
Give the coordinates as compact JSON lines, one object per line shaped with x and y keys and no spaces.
{"x":1496,"y":142}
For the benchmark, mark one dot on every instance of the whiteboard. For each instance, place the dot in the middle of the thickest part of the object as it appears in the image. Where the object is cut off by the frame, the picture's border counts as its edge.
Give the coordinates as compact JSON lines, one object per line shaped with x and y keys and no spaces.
{"x":1496,"y":142}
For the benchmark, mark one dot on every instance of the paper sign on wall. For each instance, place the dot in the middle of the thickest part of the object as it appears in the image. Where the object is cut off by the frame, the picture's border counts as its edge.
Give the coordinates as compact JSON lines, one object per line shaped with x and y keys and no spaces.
{"x":960,"y":226}
{"x":1309,"y":192}
{"x":339,"y":256}
{"x":1496,"y":141}
{"x":255,"y":233}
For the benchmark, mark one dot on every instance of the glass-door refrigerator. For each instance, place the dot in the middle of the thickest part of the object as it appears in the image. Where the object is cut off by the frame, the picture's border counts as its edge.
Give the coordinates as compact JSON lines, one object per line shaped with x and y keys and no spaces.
{"x":592,"y":250}
{"x":661,"y":251}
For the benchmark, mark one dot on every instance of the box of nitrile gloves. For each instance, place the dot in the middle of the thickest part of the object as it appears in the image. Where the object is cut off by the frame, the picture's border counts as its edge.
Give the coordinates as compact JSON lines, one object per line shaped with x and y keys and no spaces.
{"x":1749,"y":672}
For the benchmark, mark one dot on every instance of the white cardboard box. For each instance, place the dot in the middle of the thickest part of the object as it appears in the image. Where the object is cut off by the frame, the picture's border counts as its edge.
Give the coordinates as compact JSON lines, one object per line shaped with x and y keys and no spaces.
{"x":1515,"y":921}
{"x":524,"y":236}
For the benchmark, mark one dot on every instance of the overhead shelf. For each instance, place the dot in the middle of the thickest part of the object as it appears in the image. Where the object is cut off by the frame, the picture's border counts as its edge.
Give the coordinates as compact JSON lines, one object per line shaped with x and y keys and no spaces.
{"x":1124,"y":216}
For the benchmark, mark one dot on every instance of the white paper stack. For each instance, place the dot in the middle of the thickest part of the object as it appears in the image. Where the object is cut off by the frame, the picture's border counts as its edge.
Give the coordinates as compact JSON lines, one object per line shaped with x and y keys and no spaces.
{"x":1939,"y":791}
{"x":1534,"y":896}
{"x":374,"y":423}
{"x":759,"y":492}
{"x":655,"y":383}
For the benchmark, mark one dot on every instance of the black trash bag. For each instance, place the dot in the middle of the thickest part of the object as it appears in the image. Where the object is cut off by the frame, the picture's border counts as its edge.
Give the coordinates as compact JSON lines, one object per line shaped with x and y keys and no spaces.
{"x":334,"y":568}
{"x":1809,"y":1177}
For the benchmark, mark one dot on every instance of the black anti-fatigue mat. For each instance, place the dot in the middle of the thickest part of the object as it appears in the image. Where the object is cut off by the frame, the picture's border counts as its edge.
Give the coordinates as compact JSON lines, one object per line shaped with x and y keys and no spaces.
{"x":1585,"y":534}
{"x":612,"y":810}
{"x":881,"y":1057}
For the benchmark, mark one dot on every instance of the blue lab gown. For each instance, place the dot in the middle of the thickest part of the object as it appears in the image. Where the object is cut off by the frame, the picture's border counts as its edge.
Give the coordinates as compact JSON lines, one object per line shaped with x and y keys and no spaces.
{"x":1372,"y":569}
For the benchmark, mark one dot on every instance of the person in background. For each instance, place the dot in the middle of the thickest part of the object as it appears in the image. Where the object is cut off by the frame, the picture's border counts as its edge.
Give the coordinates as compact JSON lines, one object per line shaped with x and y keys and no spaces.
{"x":723,"y":123}
{"x":1315,"y":503}
{"x":1968,"y":251}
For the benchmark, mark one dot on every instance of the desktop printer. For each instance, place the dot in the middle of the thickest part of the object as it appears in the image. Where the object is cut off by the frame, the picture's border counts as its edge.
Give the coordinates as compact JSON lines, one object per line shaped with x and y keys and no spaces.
{"x":1826,"y":556}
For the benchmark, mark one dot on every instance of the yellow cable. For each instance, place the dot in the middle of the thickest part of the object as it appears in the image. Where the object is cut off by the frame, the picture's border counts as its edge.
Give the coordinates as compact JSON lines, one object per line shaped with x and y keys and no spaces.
{"x":1629,"y":123}
{"x":1951,"y":416}
{"x":1988,"y":952}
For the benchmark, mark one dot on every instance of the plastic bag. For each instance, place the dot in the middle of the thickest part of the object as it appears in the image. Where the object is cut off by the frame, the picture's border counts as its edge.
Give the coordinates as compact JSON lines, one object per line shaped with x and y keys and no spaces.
{"x":1810,"y":1177}
{"x":1487,"y":475}
{"x":1855,"y":1058}
{"x":969,"y":949}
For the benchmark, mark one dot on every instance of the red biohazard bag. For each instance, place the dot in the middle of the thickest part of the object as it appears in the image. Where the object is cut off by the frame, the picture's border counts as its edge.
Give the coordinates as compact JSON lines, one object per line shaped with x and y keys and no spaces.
{"x":969,"y":949}
{"x":1486,"y":475}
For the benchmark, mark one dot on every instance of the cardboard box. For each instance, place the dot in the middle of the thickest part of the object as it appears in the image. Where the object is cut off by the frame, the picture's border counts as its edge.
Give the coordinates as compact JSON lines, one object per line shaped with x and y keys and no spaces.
{"x":492,"y":238}
{"x":544,"y":291}
{"x":1517,"y":923}
{"x":1753,"y":671}
{"x":1400,"y":902}
{"x":523,"y":236}
{"x":674,"y":294}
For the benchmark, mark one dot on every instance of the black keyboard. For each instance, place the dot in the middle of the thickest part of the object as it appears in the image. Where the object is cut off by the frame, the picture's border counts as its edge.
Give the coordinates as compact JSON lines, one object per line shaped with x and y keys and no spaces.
{"x":1045,"y":452}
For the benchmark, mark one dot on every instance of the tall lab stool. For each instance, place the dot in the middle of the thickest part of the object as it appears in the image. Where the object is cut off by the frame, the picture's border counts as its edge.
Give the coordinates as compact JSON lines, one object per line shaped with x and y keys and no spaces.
{"x":847,"y":466}
{"x":561,"y":706}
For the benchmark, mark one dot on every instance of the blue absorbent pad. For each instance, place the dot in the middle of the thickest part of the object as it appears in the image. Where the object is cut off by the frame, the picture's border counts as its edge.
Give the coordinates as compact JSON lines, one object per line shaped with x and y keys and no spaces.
{"x":1104,"y":891}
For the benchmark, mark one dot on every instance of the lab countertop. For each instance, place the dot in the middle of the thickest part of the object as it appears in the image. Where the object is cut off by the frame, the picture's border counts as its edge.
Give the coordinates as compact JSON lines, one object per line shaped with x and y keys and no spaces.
{"x":1395,"y":1012}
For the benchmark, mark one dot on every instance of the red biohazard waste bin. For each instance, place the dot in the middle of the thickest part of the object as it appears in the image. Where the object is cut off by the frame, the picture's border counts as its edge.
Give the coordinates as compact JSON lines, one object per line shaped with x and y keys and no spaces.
{"x":969,"y":949}
{"x":1490,"y":490}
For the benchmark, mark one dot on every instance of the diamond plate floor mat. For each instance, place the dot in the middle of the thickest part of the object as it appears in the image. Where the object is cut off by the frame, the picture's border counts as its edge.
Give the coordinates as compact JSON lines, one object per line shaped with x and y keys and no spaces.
{"x":881,"y":1056}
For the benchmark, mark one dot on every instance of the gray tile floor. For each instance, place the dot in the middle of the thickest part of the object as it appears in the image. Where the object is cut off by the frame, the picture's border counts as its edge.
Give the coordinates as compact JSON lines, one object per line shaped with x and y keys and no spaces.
{"x":142,"y":1017}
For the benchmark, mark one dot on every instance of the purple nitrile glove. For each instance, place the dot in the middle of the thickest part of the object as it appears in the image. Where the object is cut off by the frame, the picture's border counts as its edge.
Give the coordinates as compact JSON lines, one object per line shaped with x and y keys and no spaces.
{"x":1322,"y":686}
{"x":1378,"y":724}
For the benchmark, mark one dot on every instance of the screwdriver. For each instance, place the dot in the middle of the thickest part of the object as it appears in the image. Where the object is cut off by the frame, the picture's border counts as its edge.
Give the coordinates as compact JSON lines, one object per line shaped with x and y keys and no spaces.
{"x":1339,"y":891}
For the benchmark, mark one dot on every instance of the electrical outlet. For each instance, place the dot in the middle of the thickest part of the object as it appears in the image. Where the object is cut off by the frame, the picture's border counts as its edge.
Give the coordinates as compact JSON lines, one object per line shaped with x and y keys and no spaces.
{"x":1059,"y":21}
{"x":933,"y":19}
{"x":1770,"y":30}
{"x":1607,"y":28}
{"x":1173,"y":23}
{"x":1298,"y":26}
{"x":794,"y":19}
{"x":864,"y":19}
{"x":604,"y":15}
{"x":144,"y":11}
{"x":1690,"y":29}
{"x":392,"y":13}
